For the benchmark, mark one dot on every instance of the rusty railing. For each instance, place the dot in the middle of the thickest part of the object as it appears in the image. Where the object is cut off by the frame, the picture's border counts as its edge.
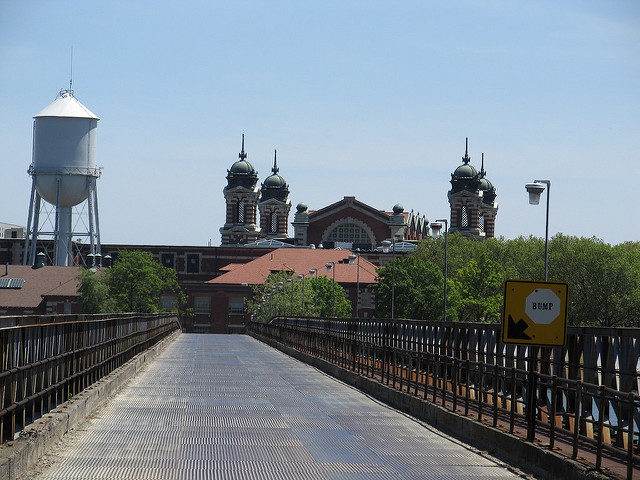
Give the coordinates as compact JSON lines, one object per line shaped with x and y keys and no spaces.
{"x":586,"y":400}
{"x":46,"y":361}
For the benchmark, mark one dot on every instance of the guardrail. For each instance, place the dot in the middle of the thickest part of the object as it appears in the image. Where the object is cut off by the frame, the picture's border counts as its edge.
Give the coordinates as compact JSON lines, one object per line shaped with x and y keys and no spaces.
{"x":586,"y":402}
{"x":45,"y":364}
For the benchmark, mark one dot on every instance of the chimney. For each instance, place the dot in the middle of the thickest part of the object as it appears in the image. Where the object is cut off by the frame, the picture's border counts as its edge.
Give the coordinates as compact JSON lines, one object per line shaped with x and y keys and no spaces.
{"x":40,"y":260}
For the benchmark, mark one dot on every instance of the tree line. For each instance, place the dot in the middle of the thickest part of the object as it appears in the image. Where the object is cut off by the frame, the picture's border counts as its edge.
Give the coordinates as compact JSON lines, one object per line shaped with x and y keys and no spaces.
{"x":604,"y":280}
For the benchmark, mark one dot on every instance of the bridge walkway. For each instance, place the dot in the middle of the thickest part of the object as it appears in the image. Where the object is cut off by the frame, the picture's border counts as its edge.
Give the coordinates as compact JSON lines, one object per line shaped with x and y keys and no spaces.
{"x":229,"y":407}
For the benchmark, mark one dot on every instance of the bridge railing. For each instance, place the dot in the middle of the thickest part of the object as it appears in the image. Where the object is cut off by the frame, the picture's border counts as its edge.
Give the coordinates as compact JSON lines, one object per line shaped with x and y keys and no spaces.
{"x":47,"y":360}
{"x":586,"y":400}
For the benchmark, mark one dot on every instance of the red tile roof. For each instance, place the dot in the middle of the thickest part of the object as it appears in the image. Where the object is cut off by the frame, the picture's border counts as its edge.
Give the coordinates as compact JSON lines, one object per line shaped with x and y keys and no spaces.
{"x":38,"y":282}
{"x":300,"y":261}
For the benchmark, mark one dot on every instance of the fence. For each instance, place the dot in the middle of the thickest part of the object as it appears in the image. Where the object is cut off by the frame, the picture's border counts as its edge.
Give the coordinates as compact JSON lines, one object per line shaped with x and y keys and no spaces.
{"x":45,"y":364}
{"x":586,"y":402}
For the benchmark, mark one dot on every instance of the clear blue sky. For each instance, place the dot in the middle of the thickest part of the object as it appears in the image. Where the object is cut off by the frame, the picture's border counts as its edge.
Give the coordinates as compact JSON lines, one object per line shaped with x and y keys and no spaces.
{"x":372,"y":99}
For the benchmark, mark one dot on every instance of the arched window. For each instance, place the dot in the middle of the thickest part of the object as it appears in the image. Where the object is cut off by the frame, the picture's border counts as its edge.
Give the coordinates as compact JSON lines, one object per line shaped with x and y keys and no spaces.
{"x":464,"y":217}
{"x":273,"y":222}
{"x":350,"y":232}
{"x":240,"y":216}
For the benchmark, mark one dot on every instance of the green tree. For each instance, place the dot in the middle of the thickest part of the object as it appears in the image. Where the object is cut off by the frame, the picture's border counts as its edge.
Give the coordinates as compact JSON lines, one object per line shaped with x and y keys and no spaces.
{"x":330,"y":299}
{"x":604,"y":283}
{"x":134,"y":284}
{"x":418,"y":290}
{"x":282,"y":294}
{"x":479,"y":285}
{"x":94,"y":293}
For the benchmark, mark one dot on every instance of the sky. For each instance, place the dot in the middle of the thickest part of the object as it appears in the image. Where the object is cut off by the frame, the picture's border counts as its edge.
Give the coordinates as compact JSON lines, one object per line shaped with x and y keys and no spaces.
{"x":365,"y":98}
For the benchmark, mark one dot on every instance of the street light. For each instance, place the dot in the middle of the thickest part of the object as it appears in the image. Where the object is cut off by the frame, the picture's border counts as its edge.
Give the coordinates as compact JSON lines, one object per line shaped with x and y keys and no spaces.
{"x":446,"y":237}
{"x":331,"y":266}
{"x":301,"y":279}
{"x":535,"y":189}
{"x":352,"y":258}
{"x":312,"y":272}
{"x":289,"y":280}
{"x":385,"y":248}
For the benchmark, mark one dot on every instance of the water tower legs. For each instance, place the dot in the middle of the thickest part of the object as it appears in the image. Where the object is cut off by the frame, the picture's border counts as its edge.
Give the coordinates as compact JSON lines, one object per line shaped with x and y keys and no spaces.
{"x":62,"y":240}
{"x":63,"y":232}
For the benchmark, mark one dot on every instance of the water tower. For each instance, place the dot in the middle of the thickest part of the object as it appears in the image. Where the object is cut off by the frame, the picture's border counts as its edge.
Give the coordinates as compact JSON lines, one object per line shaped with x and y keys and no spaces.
{"x":64,"y":173}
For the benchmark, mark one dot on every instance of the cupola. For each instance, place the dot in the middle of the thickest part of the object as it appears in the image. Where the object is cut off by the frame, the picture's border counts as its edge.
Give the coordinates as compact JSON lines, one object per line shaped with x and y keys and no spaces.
{"x":242,"y":173}
{"x":465,"y":177}
{"x":274,"y":185}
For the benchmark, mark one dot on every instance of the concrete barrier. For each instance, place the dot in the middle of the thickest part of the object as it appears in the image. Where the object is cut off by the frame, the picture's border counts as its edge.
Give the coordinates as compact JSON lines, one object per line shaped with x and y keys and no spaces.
{"x":17,"y":456}
{"x":526,"y":456}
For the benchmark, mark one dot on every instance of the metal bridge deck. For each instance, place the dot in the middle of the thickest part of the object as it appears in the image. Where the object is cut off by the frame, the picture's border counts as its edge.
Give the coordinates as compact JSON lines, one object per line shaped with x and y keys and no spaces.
{"x":230,"y":407}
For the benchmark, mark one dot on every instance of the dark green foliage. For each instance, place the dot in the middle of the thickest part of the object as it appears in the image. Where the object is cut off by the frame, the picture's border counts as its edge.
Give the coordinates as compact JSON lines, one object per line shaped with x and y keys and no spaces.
{"x":311,"y":297}
{"x":418,"y":290}
{"x":479,"y":286}
{"x":134,"y":284}
{"x":330,"y":299}
{"x":604,"y":280}
{"x":94,"y":293}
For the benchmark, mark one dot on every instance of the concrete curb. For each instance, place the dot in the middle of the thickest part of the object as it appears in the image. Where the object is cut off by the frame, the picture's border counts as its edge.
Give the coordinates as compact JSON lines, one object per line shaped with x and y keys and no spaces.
{"x":529,"y":457}
{"x":18,"y":456}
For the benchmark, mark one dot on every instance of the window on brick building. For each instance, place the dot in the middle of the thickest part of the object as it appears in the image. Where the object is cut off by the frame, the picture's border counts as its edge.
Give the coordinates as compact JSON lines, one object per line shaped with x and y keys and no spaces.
{"x":168,"y":303}
{"x":193,"y":263}
{"x":481,"y":223}
{"x":236,"y":305}
{"x":464,"y":217}
{"x":202,"y":304}
{"x":273,"y":222}
{"x":167,"y":259}
{"x":350,"y":233}
{"x":240,"y":216}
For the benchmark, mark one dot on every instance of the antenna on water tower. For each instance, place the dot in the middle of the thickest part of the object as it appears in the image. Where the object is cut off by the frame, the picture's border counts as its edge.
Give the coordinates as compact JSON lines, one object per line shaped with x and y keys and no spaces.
{"x":71,"y":72}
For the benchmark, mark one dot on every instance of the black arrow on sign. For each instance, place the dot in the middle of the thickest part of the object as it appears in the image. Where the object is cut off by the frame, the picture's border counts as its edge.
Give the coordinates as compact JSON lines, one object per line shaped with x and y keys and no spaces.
{"x":516,"y":330}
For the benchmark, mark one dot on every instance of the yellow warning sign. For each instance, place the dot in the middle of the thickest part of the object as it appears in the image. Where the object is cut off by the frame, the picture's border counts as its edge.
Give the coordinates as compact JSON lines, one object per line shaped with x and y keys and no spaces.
{"x":535,"y":313}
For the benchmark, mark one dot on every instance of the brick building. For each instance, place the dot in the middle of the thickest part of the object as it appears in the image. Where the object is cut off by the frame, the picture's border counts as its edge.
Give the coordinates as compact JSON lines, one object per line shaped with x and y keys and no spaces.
{"x":26,"y":290}
{"x":349,"y":223}
{"x":228,"y":293}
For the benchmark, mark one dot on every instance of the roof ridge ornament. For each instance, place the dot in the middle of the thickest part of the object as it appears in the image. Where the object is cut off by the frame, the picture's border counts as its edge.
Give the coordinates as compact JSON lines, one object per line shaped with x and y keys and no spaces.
{"x":466,"y":159}
{"x":242,"y":153}
{"x":275,"y":168}
{"x":482,"y":172}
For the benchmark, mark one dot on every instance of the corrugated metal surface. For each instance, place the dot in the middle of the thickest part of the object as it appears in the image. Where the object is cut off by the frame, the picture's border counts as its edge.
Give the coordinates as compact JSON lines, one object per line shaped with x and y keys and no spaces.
{"x":229,"y":407}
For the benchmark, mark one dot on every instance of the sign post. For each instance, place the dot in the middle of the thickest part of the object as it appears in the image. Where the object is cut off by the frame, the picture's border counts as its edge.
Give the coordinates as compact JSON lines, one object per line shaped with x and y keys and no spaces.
{"x":534,"y":314}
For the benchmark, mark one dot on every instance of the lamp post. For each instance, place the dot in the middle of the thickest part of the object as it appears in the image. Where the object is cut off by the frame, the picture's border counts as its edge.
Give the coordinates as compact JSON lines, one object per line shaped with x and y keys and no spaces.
{"x":352,"y":258}
{"x":535,"y":189}
{"x":301,"y":279}
{"x":312,"y":272}
{"x":290,"y":283}
{"x":385,"y":248}
{"x":446,"y":236}
{"x":331,"y":266}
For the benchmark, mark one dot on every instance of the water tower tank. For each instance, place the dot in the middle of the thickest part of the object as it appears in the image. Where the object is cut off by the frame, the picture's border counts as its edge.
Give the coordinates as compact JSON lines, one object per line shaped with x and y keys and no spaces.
{"x":64,"y":150}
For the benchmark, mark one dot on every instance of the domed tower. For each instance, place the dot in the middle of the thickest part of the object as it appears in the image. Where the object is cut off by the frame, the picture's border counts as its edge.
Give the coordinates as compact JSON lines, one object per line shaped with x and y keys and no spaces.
{"x":64,"y":173}
{"x":241,"y":196}
{"x":274,"y":204}
{"x":488,"y":208}
{"x":471,"y":198}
